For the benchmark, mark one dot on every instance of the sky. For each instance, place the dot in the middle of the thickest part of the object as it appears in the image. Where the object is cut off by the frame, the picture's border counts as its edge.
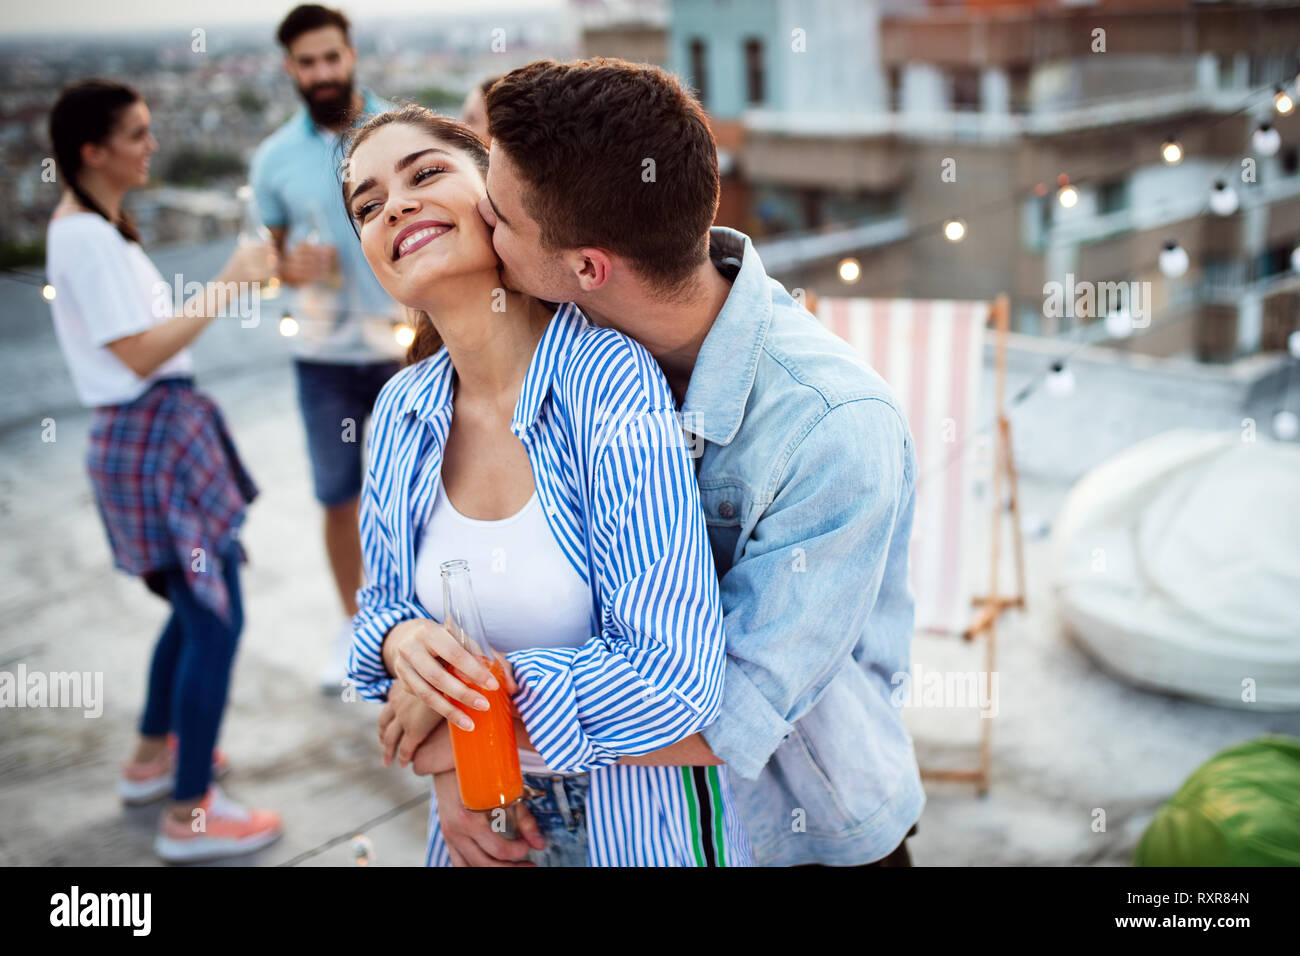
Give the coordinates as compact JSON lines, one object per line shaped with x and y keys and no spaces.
{"x":93,"y":16}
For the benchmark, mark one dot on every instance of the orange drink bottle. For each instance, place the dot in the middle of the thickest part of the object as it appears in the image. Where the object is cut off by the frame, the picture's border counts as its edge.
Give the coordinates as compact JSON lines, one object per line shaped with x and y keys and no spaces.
{"x":487,"y":757}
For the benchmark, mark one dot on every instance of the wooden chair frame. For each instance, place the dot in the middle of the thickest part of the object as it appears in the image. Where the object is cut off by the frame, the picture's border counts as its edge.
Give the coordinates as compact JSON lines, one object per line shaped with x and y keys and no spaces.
{"x":993,"y":604}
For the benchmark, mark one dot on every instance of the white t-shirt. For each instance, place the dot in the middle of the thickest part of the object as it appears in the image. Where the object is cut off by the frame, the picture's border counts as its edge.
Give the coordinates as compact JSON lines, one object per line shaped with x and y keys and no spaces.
{"x":105,"y":288}
{"x":527,"y":592}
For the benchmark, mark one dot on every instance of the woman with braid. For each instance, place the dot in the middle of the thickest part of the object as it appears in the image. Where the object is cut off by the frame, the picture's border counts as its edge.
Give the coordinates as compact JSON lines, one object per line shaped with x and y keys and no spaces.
{"x":168,"y":483}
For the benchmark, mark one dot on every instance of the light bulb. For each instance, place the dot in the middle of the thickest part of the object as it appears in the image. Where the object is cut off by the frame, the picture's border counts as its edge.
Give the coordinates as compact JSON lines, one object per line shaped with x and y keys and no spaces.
{"x":288,"y":326}
{"x":1293,"y":344}
{"x":405,"y":335}
{"x":1286,"y":425}
{"x":850,"y":270}
{"x":1119,"y":323}
{"x":1223,"y":199}
{"x":47,"y":292}
{"x":1060,"y":380}
{"x":1171,"y":151}
{"x":363,"y":850}
{"x":954,"y":230}
{"x":1173,"y":259}
{"x":1068,"y":197}
{"x":1266,"y":139}
{"x":1282,"y":101}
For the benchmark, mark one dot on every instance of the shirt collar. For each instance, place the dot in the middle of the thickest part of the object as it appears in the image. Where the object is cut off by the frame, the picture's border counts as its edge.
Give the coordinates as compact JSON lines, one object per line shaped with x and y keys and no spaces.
{"x":724,"y":370}
{"x":565,"y":326}
{"x":431,"y":392}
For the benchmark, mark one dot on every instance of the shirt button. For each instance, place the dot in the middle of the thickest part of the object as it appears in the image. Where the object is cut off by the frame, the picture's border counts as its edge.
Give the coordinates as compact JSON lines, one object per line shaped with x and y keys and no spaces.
{"x":727,"y":510}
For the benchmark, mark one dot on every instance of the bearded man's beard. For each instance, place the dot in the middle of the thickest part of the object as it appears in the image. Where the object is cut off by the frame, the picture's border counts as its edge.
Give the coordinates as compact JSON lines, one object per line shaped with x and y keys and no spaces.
{"x":329,"y":110}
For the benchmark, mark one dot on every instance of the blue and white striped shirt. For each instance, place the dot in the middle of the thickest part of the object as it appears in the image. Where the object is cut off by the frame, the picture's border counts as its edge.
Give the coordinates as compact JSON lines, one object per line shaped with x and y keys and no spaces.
{"x":614,"y":476}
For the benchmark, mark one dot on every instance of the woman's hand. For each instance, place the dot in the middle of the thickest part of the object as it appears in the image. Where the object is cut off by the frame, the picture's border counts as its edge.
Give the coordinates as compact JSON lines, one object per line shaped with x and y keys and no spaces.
{"x":422,"y":656}
{"x":250,"y":262}
{"x":404,"y":724}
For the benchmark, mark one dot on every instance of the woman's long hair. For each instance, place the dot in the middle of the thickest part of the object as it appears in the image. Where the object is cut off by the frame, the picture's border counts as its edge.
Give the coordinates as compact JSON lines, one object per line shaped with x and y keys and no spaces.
{"x":449,"y":131}
{"x":87,"y":112}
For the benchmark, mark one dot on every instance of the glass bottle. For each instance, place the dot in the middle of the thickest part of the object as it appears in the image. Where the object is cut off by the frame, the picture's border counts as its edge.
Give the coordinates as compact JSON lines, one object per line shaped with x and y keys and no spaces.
{"x":487,"y":757}
{"x":252,"y":231}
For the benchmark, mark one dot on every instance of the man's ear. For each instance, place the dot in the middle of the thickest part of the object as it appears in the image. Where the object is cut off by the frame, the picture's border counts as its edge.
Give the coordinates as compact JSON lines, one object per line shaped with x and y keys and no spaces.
{"x":593,"y":267}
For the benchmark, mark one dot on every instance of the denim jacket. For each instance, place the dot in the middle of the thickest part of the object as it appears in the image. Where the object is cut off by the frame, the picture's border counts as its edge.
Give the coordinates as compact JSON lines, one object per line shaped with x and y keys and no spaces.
{"x":807,"y":477}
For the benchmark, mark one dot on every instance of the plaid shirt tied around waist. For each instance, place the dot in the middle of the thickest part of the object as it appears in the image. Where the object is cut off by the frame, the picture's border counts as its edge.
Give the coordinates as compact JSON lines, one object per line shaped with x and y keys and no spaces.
{"x":168,"y":481}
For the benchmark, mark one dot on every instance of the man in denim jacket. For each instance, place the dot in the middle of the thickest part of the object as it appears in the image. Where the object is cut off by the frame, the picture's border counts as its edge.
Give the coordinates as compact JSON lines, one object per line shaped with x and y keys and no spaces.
{"x":806,"y":467}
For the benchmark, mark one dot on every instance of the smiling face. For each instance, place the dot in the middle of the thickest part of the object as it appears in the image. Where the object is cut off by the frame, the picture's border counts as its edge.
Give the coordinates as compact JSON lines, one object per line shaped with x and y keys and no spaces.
{"x":414,"y":199}
{"x":527,"y":264}
{"x":123,"y":158}
{"x":321,"y":64}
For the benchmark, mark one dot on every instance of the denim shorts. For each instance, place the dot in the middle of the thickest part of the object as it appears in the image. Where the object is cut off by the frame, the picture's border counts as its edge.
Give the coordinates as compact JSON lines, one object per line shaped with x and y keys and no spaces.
{"x":336,"y":399}
{"x":561,"y":814}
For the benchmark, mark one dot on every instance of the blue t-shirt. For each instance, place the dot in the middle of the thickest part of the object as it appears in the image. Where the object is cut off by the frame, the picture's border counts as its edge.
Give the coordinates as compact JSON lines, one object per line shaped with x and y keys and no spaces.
{"x":296,"y":183}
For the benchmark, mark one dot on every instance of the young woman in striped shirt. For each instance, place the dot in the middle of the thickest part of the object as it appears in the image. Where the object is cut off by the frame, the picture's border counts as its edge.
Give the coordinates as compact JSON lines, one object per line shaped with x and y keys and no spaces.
{"x":546,"y":452}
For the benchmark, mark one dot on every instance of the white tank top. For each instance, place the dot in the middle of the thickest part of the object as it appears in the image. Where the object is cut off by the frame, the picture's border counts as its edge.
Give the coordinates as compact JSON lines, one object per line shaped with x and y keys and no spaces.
{"x":528,"y":593}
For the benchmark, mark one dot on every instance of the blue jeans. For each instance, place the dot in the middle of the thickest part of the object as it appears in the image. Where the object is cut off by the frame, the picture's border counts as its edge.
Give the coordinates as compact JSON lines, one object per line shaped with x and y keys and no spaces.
{"x":190,"y":675}
{"x":561,"y":814}
{"x":330,"y":395}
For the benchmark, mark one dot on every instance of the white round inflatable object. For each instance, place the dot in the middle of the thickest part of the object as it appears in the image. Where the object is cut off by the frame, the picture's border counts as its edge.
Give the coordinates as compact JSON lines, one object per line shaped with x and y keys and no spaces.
{"x":1177,"y":566}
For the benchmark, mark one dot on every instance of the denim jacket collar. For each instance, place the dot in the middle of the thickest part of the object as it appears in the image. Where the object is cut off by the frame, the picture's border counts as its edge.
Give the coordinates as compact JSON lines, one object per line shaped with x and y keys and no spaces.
{"x":724,"y":369}
{"x":432,"y":393}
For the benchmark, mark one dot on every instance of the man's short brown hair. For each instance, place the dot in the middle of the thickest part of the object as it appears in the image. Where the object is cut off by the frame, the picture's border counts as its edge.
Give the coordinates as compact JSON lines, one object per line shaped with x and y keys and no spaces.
{"x":614,"y":155}
{"x":310,"y":16}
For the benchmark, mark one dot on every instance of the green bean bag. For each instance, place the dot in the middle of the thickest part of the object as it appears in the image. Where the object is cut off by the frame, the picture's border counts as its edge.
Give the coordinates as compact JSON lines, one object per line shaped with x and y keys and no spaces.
{"x":1240,"y":808}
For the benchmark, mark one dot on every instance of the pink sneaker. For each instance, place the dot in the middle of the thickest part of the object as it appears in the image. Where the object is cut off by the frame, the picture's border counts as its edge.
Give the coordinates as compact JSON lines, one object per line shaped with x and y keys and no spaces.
{"x":143,"y":783}
{"x":224,"y":828}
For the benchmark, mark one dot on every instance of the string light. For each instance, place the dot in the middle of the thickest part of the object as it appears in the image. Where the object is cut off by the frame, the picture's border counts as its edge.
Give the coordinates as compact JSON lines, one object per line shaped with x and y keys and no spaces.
{"x":1282,"y":101}
{"x":1286,"y":425}
{"x":850,"y":270}
{"x":1173,"y":259}
{"x":270,"y":288}
{"x":47,"y":292}
{"x":1266,"y":139}
{"x":1068,"y":196}
{"x":1060,"y":380}
{"x":1119,"y":323}
{"x":405,"y":335}
{"x":1223,"y":199}
{"x":1295,"y":259}
{"x":1171,"y":152}
{"x":1293,"y":344}
{"x":288,"y":326}
{"x":363,"y":850}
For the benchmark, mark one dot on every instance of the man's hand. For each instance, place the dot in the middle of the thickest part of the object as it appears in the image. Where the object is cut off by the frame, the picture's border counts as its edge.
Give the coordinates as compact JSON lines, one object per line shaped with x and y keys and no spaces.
{"x":470,"y":839}
{"x":434,"y":755}
{"x":522,"y":739}
{"x":306,"y":262}
{"x":404,"y":724}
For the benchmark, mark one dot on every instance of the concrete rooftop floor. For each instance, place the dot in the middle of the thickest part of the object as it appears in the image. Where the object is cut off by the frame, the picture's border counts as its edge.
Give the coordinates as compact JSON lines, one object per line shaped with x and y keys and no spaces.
{"x":1068,"y":738}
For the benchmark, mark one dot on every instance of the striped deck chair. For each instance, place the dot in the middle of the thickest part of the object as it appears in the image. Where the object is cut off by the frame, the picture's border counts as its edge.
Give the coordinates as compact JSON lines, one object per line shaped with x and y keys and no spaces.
{"x":932,"y":353}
